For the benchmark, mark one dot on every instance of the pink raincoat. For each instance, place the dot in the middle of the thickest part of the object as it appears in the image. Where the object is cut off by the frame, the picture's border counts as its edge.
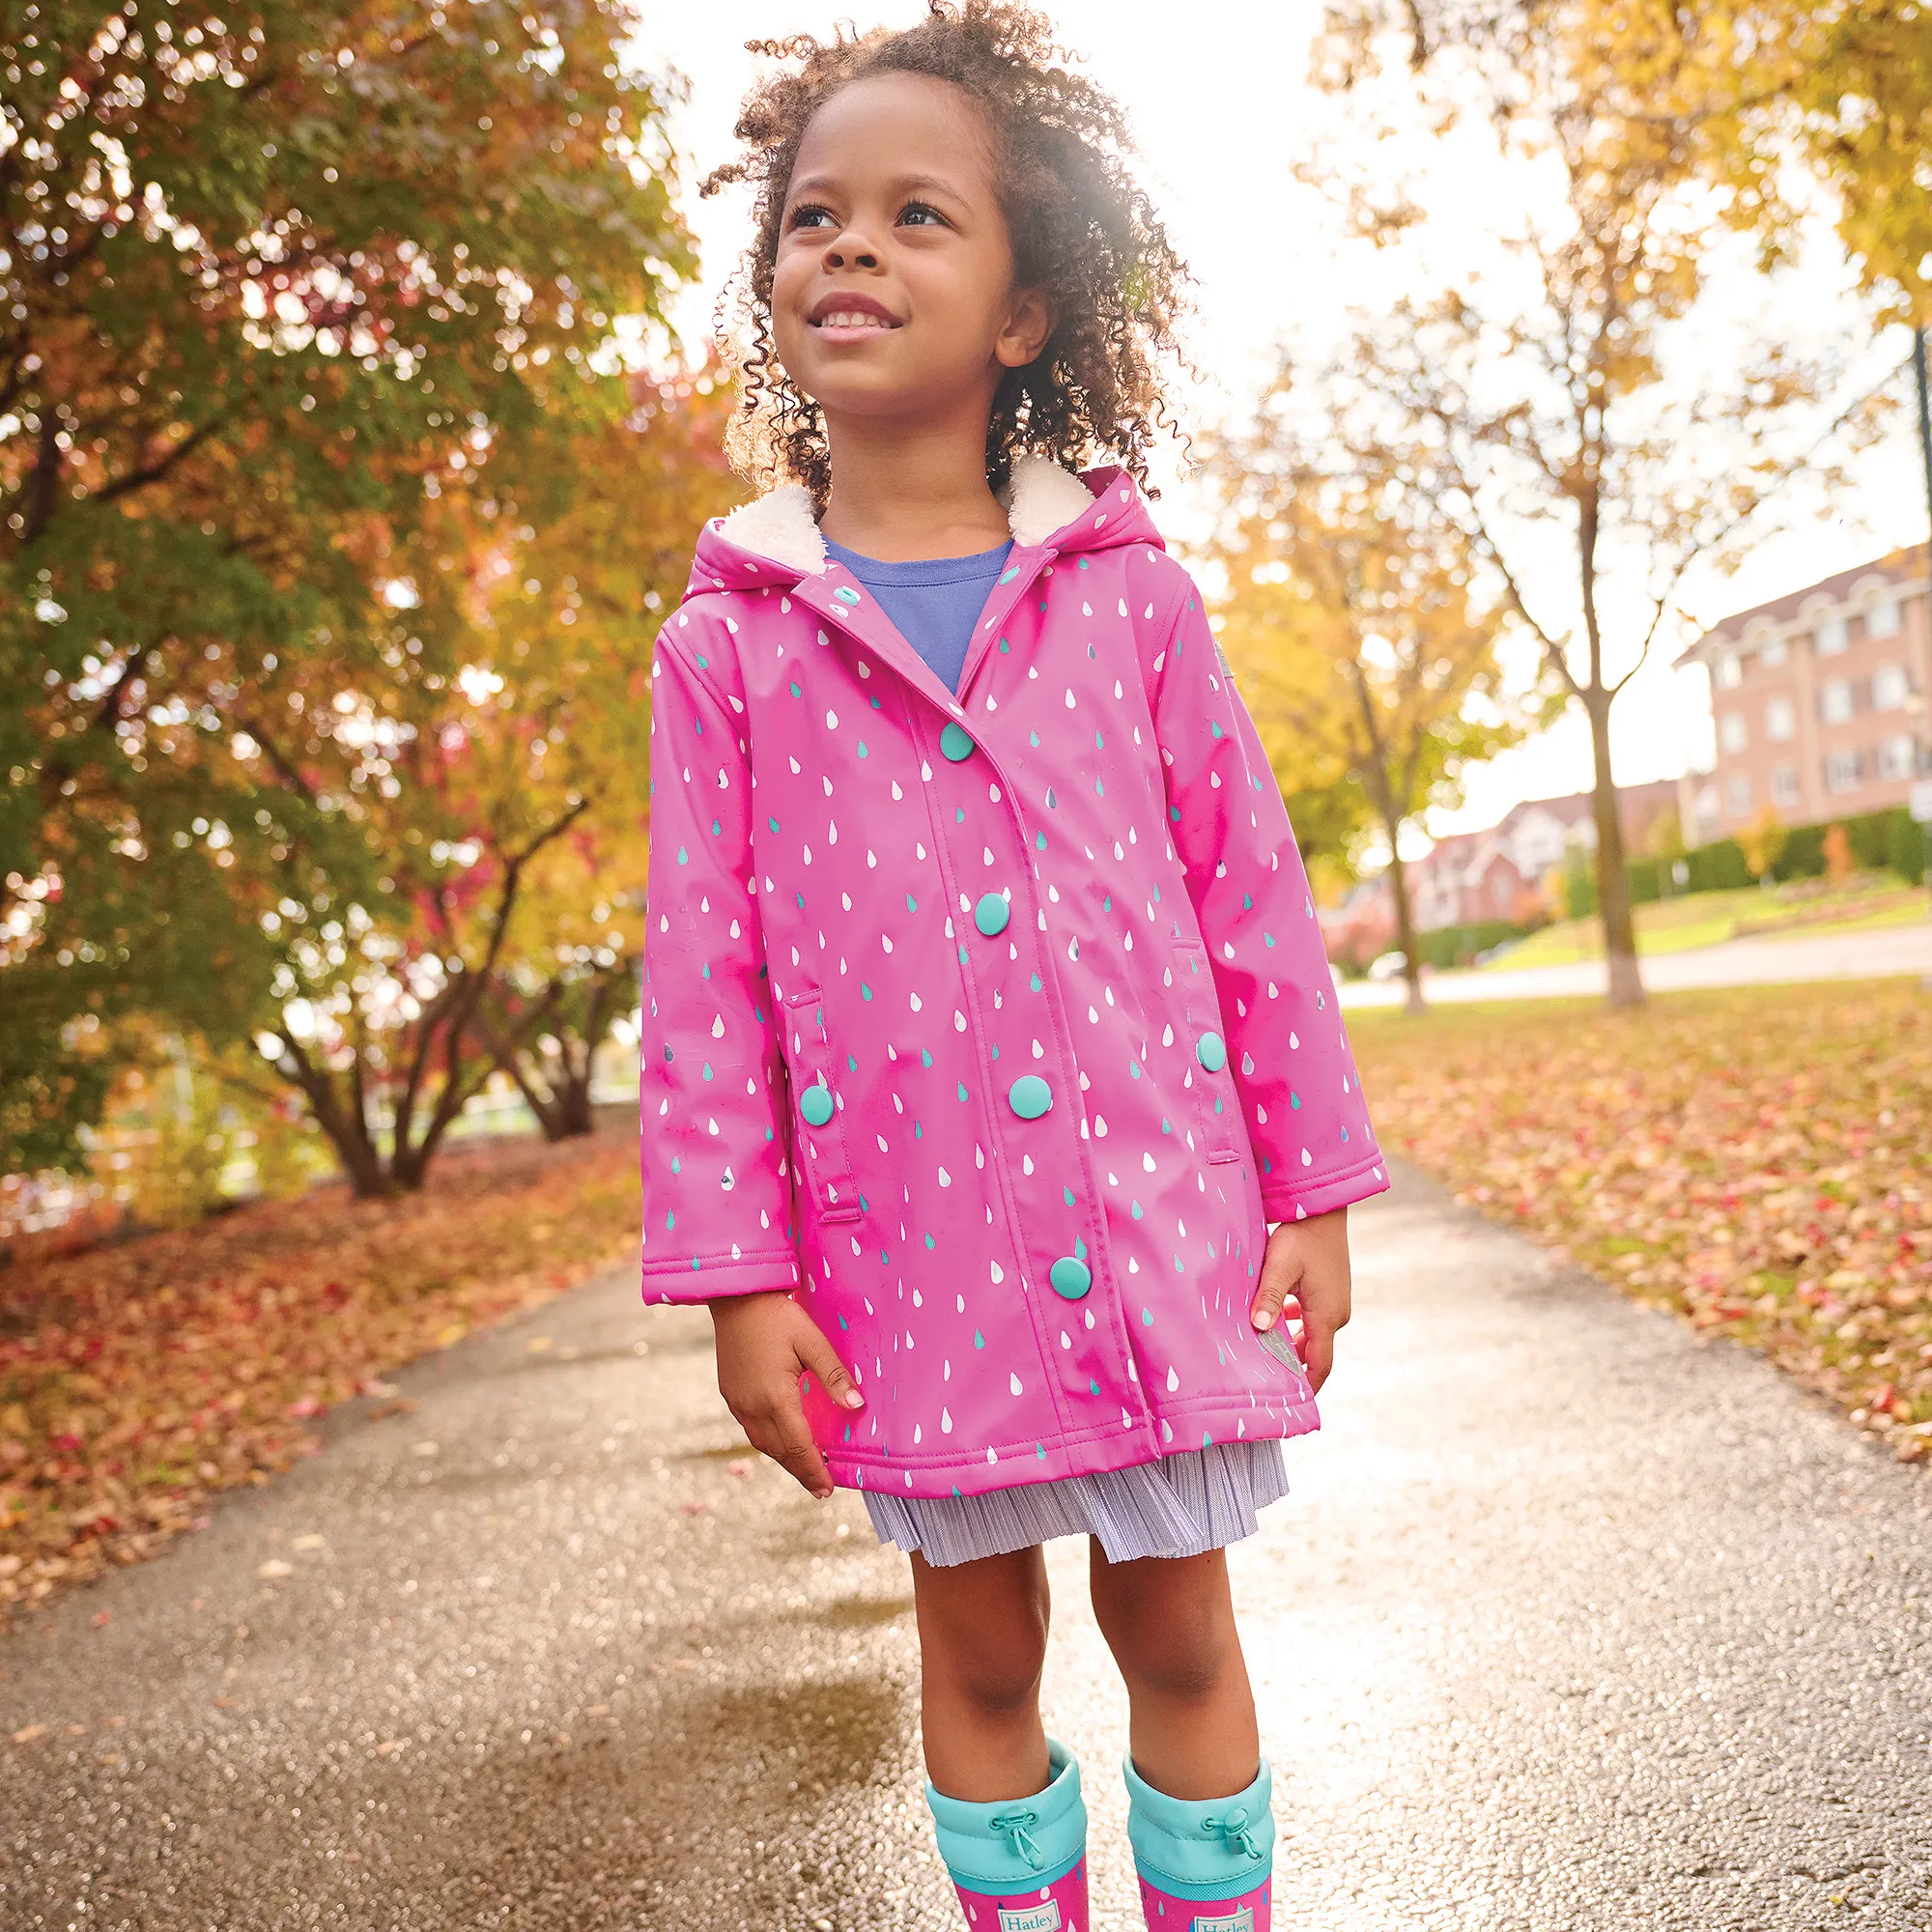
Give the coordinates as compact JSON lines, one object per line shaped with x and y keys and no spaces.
{"x":998,"y":1028}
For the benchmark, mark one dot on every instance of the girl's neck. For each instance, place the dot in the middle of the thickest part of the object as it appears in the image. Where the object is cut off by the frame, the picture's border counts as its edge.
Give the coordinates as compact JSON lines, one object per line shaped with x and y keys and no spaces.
{"x":903,"y":493}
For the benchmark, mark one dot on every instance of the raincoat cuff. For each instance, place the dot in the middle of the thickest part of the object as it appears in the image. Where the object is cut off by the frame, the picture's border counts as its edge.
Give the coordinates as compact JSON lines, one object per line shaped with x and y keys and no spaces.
{"x":713,"y":1277}
{"x":1280,"y":1199}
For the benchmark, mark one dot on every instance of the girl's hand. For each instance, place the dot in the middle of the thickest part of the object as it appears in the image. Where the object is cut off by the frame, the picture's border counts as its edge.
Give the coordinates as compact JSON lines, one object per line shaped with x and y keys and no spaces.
{"x":765,"y":1342}
{"x":1306,"y":1271}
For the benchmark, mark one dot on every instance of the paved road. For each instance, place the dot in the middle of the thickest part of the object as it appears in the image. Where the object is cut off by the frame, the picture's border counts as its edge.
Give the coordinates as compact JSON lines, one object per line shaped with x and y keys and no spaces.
{"x":1886,"y":952}
{"x":1572,"y":1622}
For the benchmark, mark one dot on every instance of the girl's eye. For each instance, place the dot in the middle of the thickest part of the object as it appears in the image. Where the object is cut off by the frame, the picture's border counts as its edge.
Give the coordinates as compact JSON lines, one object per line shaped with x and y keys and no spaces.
{"x":809,"y":217}
{"x":921,"y":215}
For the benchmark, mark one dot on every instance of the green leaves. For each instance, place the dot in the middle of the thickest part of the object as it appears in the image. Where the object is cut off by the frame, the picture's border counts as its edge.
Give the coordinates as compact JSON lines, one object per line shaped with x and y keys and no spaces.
{"x":300,"y":313}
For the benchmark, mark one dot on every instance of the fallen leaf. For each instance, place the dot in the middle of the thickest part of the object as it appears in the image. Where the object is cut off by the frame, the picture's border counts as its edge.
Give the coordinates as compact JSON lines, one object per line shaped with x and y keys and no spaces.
{"x":274,"y":1567}
{"x":311,"y":1541}
{"x":29,"y":1732}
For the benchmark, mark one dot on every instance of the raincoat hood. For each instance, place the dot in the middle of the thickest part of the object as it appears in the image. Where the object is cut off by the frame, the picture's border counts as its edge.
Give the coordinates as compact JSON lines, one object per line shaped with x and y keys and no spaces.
{"x":993,"y":1025}
{"x":776,"y":539}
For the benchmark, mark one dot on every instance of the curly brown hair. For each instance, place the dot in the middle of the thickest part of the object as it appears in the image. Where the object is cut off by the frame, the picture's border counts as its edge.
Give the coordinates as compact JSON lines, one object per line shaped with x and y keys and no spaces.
{"x":1081,"y":229}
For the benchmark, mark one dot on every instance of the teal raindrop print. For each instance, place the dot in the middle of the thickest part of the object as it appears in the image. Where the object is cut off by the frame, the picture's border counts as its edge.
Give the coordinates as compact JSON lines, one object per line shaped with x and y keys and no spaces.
{"x":912,"y":904}
{"x":683,"y":857}
{"x":864,"y":991}
{"x":979,"y":1340}
{"x":707,"y":1070}
{"x":962,"y":1090}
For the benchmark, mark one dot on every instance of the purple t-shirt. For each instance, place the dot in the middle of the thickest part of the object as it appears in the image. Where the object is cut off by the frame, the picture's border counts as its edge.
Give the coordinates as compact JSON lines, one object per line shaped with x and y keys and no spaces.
{"x":933,"y":603}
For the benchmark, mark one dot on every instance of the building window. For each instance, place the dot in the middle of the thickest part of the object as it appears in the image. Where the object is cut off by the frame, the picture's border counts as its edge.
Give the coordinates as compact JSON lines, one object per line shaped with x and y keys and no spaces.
{"x":1882,"y":620}
{"x":1737,"y":795}
{"x":1773,"y":654}
{"x":1888,"y":688}
{"x":1731,"y":732}
{"x":1834,"y":701}
{"x":1730,"y":671}
{"x":1784,"y":785}
{"x":1780,"y":720}
{"x":1832,"y":637}
{"x":1841,"y":771}
{"x":1896,"y":758}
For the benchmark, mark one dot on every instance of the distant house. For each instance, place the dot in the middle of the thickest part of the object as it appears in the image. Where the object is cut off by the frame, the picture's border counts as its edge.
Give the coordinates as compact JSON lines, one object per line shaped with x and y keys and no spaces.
{"x":1819,"y":699}
{"x":1471,"y":878}
{"x":1502,"y":873}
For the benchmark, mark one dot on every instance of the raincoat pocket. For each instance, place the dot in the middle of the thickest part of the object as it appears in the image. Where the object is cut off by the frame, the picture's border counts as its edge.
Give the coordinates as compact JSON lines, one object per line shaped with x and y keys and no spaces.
{"x":1216,"y":1105}
{"x":819,"y":1142}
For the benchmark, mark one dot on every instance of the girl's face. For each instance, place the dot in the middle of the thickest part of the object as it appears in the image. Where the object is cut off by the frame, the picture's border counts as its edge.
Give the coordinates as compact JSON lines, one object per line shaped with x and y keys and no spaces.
{"x":892,"y":296}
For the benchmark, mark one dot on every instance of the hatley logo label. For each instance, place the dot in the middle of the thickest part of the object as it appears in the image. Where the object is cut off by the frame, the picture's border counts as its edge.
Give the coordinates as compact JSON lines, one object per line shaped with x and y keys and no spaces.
{"x":1044,"y":1917}
{"x":1243,"y":1921}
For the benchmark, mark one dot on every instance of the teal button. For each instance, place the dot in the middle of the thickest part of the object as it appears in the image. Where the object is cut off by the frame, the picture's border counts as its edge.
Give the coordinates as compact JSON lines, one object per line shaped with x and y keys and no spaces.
{"x":845,"y":594}
{"x":1211,"y":1052}
{"x":1070,"y":1276}
{"x":1030,"y":1097}
{"x":954,"y":743}
{"x":992,"y":914}
{"x":815,"y":1104}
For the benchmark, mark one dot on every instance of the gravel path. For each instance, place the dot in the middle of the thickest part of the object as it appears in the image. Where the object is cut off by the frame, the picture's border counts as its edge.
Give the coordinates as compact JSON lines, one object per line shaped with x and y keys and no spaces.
{"x":1571,"y":1622}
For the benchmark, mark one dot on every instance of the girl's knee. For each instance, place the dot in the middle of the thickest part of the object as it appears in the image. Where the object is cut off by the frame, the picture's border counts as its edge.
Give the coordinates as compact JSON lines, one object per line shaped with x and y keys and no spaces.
{"x":984,"y":1636}
{"x":1180,"y":1642}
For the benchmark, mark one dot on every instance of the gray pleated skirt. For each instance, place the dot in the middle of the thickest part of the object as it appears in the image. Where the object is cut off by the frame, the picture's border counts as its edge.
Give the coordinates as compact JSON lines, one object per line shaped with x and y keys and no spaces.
{"x":1183,"y":1505}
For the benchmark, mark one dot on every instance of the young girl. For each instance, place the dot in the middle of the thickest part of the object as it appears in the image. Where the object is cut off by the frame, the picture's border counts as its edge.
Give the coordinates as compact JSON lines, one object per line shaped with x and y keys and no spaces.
{"x":996,"y":1101}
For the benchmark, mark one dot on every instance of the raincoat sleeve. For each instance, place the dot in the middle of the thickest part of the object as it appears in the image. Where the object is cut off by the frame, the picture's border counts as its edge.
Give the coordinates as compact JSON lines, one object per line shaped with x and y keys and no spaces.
{"x":717,"y":1204}
{"x":1287,"y":1047}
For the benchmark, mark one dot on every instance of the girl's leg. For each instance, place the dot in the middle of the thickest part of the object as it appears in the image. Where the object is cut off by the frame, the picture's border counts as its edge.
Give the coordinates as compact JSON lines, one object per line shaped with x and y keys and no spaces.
{"x":1005,"y":1798}
{"x":1197,"y":1783}
{"x":981,"y":1646}
{"x":1170,"y":1623}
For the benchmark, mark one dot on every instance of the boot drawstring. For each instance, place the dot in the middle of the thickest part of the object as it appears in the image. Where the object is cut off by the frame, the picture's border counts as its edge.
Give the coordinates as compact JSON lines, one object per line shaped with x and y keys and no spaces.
{"x":1014,"y":1825}
{"x":1233,"y":1827}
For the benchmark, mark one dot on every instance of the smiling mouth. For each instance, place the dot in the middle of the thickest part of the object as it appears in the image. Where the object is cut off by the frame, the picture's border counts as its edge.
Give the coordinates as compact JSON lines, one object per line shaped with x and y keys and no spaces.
{"x":852,"y":318}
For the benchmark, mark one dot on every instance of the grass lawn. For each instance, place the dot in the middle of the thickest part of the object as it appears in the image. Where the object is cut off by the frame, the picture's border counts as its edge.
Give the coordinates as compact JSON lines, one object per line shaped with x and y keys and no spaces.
{"x":1754,"y":1159}
{"x":1709,"y":919}
{"x":136,"y":1379}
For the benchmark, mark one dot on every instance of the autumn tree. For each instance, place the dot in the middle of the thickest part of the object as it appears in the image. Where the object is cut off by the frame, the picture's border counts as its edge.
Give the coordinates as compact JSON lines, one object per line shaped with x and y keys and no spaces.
{"x":277,"y":285}
{"x":504,"y":810}
{"x":1540,"y":405}
{"x":1354,"y":629}
{"x":577,"y":609}
{"x":1844,"y":87}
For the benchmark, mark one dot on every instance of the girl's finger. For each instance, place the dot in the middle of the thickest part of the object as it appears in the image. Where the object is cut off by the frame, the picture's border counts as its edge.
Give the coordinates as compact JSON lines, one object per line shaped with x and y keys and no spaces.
{"x":1318,"y":1350}
{"x":1276,"y":1287}
{"x":800,"y":1455}
{"x":816,"y":1357}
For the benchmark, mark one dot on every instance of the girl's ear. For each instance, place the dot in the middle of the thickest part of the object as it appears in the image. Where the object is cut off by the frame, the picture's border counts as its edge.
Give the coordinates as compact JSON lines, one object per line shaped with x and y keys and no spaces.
{"x":1029,"y":323}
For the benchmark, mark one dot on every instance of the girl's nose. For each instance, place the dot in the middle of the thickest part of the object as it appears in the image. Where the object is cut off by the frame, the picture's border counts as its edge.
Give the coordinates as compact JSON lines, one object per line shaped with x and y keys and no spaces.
{"x":848,"y":250}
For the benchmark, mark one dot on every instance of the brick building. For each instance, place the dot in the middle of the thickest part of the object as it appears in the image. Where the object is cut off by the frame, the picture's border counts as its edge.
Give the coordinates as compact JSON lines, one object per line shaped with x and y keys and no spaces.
{"x":1819,"y":701}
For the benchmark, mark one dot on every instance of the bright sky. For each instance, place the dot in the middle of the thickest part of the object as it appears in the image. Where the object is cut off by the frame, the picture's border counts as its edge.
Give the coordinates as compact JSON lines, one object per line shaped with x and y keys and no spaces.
{"x":1221,"y":109}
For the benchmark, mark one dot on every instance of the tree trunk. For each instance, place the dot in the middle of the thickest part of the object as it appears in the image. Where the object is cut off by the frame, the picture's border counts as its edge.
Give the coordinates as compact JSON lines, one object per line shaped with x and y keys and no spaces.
{"x":1613,"y":899}
{"x":1405,"y":927}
